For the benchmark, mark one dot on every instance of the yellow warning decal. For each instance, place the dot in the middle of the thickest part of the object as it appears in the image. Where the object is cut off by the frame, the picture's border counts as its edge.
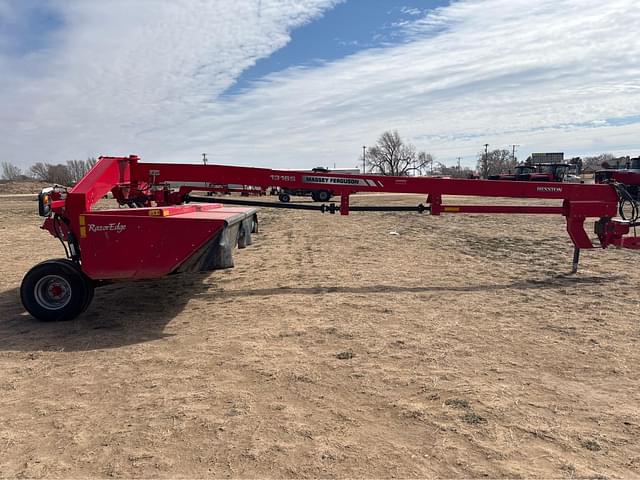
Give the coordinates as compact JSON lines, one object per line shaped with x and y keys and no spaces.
{"x":83,"y":232}
{"x":82,"y":221}
{"x":451,"y":209}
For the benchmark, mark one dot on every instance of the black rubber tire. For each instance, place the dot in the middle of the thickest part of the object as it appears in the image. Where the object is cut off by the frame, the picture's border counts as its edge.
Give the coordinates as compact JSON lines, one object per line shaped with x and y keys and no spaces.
{"x":284,"y":197}
{"x":89,"y":298}
{"x":243,"y":236}
{"x":67,"y":276}
{"x":314,"y":196}
{"x":88,"y":282}
{"x":323,"y":196}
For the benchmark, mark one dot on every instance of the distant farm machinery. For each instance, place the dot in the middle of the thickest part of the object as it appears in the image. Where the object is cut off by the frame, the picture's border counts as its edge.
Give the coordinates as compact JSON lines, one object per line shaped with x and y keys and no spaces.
{"x":542,"y":172}
{"x":167,"y":230}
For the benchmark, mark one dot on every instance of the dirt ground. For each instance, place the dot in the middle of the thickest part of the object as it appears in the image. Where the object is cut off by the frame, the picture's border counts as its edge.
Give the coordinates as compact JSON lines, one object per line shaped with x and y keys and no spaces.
{"x":458,"y":347}
{"x":21,"y":187}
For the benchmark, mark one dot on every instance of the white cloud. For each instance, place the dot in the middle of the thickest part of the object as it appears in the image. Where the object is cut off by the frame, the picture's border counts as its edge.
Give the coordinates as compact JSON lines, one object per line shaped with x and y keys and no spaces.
{"x":121,"y":70}
{"x":411,"y":11}
{"x":501,"y":73}
{"x":545,"y":74}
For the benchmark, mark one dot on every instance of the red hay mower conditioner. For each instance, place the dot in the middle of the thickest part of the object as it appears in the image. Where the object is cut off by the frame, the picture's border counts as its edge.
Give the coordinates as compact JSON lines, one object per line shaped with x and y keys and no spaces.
{"x":165,"y":230}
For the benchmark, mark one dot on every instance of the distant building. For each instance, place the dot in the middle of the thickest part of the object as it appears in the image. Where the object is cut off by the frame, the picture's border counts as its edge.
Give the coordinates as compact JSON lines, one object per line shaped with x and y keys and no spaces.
{"x":555,"y":157}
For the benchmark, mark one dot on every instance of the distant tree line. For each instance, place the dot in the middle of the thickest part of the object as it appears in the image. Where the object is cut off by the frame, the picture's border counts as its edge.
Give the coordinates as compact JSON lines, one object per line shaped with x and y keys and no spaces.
{"x":496,"y":162}
{"x":391,"y":155}
{"x":61,"y":174}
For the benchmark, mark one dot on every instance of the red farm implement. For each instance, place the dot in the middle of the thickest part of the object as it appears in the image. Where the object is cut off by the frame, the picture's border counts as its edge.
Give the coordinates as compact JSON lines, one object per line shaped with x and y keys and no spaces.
{"x":166,"y":230}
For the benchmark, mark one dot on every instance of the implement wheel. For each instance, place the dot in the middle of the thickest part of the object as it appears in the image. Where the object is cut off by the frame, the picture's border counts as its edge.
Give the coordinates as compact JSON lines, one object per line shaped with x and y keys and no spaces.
{"x":56,"y":290}
{"x":322,"y":196}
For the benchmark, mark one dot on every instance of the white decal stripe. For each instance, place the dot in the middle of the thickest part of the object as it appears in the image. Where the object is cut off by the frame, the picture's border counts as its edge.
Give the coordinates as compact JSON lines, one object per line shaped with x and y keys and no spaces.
{"x":333,"y":180}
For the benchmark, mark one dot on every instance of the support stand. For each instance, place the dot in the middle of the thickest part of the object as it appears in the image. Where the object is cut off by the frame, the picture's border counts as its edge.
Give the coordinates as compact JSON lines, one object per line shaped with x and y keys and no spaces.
{"x":576,"y":260}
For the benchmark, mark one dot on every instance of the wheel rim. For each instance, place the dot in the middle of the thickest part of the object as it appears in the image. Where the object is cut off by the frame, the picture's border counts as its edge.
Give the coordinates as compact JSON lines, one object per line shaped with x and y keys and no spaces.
{"x":52,"y":292}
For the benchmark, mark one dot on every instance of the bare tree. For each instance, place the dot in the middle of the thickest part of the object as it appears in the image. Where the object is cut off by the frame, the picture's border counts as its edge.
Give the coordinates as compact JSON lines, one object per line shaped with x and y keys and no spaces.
{"x":40,"y":171}
{"x":425,"y":160}
{"x":10,"y":171}
{"x":391,"y":156}
{"x":57,"y":174}
{"x":496,"y":162}
{"x":68,"y":174}
{"x":598,"y":161}
{"x":79,"y":168}
{"x":579,"y":164}
{"x":60,"y":175}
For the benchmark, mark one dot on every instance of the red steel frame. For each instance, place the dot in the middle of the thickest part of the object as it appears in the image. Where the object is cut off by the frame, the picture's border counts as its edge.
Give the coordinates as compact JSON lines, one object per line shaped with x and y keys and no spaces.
{"x":132,"y":180}
{"x":579,"y":201}
{"x":163,"y":233}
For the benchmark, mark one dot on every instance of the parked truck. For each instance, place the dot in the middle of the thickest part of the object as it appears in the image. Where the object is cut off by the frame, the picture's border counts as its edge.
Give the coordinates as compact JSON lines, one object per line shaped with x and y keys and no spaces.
{"x":317,"y":194}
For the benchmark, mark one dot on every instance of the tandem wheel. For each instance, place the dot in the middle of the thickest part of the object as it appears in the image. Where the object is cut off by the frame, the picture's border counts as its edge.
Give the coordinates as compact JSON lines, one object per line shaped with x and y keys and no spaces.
{"x":284,"y":197}
{"x":56,"y":290}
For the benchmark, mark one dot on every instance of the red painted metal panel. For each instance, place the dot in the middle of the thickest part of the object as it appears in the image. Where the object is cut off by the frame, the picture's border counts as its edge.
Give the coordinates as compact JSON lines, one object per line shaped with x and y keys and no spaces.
{"x":135,"y":246}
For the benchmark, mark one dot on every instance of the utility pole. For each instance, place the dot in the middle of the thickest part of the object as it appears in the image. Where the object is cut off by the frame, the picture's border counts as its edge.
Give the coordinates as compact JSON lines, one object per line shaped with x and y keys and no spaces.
{"x":513,"y":154}
{"x":486,"y":161}
{"x":459,"y":158}
{"x":364,"y":156}
{"x":204,"y":158}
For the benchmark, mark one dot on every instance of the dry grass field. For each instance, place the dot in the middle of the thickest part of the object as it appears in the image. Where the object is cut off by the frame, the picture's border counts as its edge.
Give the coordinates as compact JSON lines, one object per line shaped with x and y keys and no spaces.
{"x":459,"y":347}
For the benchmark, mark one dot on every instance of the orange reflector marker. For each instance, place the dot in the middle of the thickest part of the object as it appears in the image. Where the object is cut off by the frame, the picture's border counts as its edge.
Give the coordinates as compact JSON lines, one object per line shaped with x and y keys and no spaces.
{"x":159,"y":212}
{"x":451,"y":209}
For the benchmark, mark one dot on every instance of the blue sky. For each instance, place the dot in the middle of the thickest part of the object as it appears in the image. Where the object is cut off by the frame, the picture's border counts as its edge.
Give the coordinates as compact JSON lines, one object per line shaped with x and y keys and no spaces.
{"x":348,"y":28}
{"x":300,"y":83}
{"x":30,"y":28}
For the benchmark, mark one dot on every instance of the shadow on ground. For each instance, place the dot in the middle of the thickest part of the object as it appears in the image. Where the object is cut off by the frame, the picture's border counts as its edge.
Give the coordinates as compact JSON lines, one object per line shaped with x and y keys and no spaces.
{"x":554,"y":282}
{"x":136,"y":312}
{"x":121,"y":314}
